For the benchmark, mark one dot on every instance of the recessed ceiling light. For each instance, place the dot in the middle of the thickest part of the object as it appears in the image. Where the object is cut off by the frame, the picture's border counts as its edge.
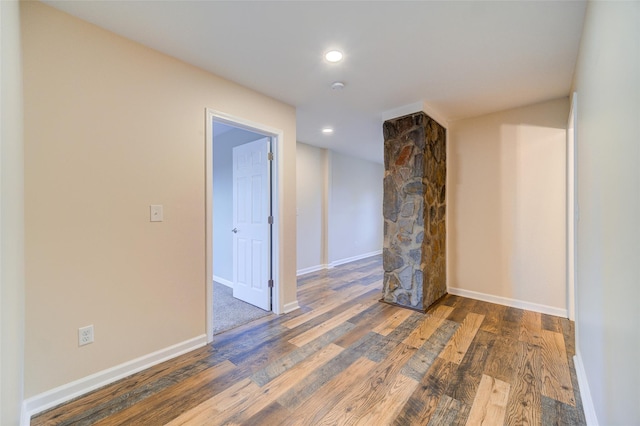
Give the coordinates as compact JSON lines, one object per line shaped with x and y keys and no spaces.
{"x":327,"y":130}
{"x":333,"y":56}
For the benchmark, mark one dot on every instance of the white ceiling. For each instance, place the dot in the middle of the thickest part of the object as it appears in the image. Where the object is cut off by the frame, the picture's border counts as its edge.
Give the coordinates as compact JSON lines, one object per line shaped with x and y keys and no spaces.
{"x":462,"y":58}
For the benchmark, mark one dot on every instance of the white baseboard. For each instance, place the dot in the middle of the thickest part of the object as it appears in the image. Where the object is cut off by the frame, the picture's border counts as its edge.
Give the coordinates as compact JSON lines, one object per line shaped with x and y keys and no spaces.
{"x":310,"y":269}
{"x":585,"y":392}
{"x":354,"y":258}
{"x":64,"y":393}
{"x":290,"y":307}
{"x":335,"y":263}
{"x":514,"y":303}
{"x":223,"y":281}
{"x":25,"y":418}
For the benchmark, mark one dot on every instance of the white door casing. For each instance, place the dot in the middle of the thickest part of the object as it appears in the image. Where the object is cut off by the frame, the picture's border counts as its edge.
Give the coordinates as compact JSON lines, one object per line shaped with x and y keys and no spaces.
{"x":277,"y":137}
{"x":251,"y":228}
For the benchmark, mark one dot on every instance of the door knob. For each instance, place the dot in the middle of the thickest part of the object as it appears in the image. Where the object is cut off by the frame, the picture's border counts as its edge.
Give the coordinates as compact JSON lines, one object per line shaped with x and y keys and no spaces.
{"x":234,"y":230}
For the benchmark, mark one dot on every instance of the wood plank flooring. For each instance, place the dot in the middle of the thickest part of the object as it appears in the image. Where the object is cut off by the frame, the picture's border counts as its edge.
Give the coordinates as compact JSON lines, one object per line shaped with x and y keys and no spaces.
{"x":345,"y":358}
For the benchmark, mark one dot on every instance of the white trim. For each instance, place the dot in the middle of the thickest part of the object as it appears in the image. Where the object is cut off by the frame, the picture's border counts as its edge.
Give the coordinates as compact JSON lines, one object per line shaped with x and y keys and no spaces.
{"x":436,"y":115}
{"x":514,"y":303}
{"x":290,"y":307}
{"x":67,"y":392}
{"x":223,"y":281}
{"x":420,"y":106}
{"x":277,"y":203}
{"x":208,"y":224}
{"x":25,"y":418}
{"x":335,"y":263}
{"x":311,"y":269}
{"x":572,"y":207}
{"x":353,"y":258}
{"x":401,"y":111}
{"x":585,"y":392}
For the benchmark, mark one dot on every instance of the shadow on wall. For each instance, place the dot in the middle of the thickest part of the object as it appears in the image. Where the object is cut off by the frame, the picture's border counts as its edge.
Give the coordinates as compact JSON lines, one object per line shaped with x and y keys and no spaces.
{"x":507,"y":203}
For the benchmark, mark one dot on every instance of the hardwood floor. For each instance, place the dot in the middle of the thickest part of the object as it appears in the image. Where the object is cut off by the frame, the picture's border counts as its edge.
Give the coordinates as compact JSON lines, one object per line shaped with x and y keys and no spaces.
{"x":345,"y":358}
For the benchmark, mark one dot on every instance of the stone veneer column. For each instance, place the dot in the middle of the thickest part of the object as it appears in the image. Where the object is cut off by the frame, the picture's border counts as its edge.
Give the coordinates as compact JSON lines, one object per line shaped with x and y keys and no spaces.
{"x":414,"y":255}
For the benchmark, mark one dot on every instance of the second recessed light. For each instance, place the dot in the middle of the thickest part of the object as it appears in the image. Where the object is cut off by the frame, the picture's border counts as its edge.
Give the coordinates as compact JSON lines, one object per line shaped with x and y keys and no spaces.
{"x":333,"y":56}
{"x":327,"y":130}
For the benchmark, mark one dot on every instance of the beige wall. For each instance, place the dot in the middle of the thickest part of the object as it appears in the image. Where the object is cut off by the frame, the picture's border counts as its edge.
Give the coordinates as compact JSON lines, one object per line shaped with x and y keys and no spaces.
{"x":311,"y":181}
{"x":339,"y":207}
{"x":355,"y":222}
{"x":506,"y":204}
{"x":11,"y":218}
{"x":607,"y":83}
{"x":110,"y":128}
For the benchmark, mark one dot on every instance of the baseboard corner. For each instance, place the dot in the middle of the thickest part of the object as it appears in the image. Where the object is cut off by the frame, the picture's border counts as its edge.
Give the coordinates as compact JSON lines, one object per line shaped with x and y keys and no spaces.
{"x":506,"y":301}
{"x":290,"y":307}
{"x":585,"y":392}
{"x":354,"y":258}
{"x":310,"y":269}
{"x":223,"y":281}
{"x":25,"y":417}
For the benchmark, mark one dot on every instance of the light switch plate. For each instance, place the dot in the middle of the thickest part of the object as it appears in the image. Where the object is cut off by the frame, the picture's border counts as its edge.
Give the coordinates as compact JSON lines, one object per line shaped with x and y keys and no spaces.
{"x":156,"y":212}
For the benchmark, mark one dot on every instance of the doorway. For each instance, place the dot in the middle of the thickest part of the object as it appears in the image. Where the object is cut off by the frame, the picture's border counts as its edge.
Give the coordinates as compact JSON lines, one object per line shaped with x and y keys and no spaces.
{"x":241,"y":217}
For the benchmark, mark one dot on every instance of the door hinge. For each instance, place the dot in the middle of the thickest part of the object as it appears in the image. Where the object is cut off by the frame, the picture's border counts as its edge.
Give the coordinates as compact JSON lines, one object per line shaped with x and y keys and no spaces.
{"x":270,"y":220}
{"x":270,"y":283}
{"x":270,"y":156}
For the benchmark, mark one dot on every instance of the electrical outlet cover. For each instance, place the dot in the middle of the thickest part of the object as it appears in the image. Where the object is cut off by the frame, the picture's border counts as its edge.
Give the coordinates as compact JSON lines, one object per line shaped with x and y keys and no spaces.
{"x":85,"y":335}
{"x":156,"y":212}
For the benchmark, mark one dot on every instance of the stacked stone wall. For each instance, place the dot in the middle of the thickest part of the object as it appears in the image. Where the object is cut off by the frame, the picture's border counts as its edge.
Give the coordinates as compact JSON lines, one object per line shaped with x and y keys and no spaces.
{"x":414,"y":211}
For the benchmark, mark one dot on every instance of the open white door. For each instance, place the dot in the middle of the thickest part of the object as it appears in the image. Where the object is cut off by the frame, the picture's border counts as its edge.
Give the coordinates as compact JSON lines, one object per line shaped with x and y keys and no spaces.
{"x":251,"y":228}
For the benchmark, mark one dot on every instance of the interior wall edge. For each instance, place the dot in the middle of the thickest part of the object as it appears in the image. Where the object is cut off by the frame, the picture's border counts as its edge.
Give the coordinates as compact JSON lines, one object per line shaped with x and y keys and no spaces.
{"x":12,"y":230}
